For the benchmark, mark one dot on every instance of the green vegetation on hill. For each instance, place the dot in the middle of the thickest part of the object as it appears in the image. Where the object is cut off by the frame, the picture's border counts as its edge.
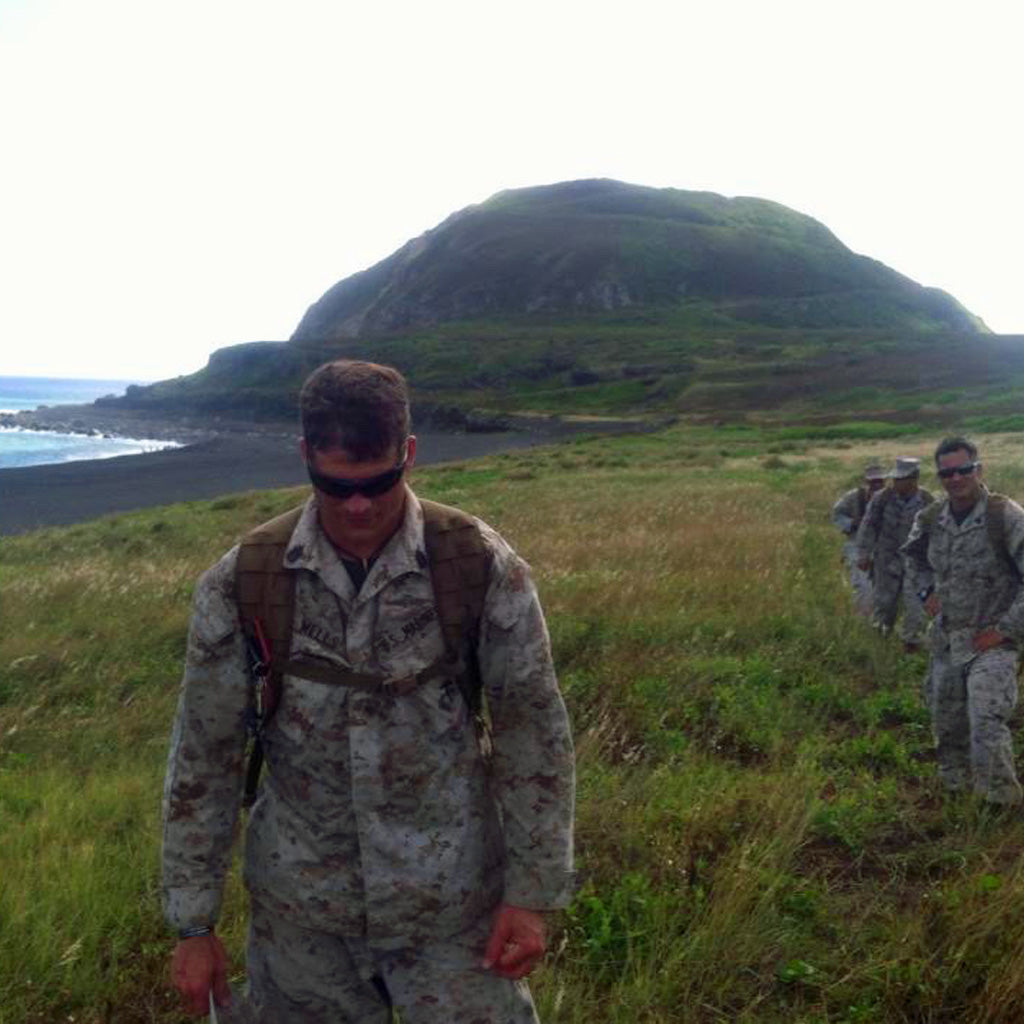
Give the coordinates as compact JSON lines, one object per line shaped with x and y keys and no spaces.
{"x":602,"y":245}
{"x":686,"y":362}
{"x":596,"y":297}
{"x":761,"y":834}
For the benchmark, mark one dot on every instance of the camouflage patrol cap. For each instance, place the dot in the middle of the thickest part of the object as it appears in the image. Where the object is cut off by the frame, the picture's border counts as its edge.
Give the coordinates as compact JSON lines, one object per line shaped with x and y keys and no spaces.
{"x":905,"y":468}
{"x":874,"y":472}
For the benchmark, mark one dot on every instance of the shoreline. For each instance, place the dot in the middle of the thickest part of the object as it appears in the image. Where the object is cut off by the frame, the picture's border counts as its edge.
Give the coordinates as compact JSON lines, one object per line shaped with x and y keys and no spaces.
{"x":60,"y":494}
{"x":92,"y":421}
{"x":215,"y":458}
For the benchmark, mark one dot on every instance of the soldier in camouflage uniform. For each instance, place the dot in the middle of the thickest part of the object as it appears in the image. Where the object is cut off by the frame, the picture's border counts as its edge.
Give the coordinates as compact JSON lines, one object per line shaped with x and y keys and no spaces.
{"x":883,"y":531}
{"x":847,"y":514}
{"x":389,"y":862}
{"x":968,"y":555}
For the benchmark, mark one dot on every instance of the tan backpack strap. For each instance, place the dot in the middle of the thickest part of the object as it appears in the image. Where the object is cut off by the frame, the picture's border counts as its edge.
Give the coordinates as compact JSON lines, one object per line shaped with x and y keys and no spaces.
{"x":265,"y":588}
{"x":995,"y":523}
{"x":460,"y":568}
{"x":265,"y":592}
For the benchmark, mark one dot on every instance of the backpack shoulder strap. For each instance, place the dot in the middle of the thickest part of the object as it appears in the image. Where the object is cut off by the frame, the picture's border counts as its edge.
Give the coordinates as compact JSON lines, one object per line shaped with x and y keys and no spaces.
{"x":265,"y":588}
{"x":460,"y":568}
{"x":995,"y":523}
{"x":265,"y":592}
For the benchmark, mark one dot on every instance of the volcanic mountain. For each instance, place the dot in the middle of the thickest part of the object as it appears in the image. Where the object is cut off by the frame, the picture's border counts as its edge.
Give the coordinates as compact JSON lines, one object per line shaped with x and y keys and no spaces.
{"x":599,"y":297}
{"x":599,"y":246}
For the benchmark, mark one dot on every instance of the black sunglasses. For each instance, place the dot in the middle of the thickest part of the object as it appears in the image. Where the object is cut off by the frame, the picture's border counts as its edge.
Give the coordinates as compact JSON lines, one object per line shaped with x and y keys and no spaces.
{"x":368,"y":487}
{"x":950,"y":471}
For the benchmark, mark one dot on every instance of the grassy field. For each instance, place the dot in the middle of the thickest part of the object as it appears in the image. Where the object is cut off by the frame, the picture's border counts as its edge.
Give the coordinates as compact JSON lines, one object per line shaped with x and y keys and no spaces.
{"x":761,"y":834}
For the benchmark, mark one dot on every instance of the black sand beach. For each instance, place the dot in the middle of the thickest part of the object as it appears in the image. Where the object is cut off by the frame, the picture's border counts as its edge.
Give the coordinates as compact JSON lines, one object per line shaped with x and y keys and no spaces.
{"x":71,"y":492}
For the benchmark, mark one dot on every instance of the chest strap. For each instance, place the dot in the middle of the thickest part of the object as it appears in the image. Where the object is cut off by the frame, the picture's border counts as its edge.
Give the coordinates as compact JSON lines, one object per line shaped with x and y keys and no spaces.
{"x":319,"y":672}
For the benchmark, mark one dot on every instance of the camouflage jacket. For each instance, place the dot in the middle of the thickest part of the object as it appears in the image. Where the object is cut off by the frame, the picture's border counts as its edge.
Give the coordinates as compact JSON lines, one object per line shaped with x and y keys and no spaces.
{"x":886,"y":526}
{"x":976,"y":586}
{"x":378,"y":814}
{"x":849,"y":509}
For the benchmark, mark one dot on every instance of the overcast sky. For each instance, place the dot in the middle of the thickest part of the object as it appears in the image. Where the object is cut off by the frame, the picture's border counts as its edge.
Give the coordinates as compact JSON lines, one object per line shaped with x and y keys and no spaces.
{"x":180,"y":176}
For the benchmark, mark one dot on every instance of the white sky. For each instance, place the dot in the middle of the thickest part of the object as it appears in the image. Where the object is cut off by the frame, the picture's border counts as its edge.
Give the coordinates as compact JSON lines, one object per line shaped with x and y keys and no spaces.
{"x":179,"y":176}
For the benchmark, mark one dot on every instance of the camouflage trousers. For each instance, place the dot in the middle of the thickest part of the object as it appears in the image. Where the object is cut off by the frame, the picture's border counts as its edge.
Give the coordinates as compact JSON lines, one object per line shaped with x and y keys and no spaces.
{"x":860,"y":581}
{"x":298,"y":976}
{"x":892,"y":587}
{"x":970,"y":707}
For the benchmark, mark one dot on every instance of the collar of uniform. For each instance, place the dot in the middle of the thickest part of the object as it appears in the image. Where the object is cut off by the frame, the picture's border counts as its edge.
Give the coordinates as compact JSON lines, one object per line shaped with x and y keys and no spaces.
{"x":973,"y":518}
{"x":309,"y":548}
{"x":403,"y":554}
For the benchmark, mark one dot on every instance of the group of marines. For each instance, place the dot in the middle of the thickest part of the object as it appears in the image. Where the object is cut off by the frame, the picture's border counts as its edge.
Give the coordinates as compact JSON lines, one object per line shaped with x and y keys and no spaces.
{"x":958,"y":561}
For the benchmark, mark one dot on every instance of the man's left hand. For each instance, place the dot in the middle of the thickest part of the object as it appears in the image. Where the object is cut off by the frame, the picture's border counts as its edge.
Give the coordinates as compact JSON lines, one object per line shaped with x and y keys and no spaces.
{"x":517,"y":942}
{"x":988,"y":638}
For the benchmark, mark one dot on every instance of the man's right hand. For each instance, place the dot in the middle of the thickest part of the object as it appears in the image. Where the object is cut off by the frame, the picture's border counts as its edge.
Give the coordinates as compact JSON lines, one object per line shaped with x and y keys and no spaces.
{"x":198,"y":965}
{"x":933,"y":606}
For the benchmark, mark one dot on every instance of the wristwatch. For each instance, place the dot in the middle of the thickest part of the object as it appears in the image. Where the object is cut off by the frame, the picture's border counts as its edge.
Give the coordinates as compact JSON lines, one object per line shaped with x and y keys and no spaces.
{"x":926,"y":592}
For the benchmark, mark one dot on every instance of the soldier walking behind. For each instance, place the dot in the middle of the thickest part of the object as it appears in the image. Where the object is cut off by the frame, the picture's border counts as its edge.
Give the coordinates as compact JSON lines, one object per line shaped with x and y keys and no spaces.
{"x":883,"y":531}
{"x":968,"y":554}
{"x":391,"y":859}
{"x":847,"y":514}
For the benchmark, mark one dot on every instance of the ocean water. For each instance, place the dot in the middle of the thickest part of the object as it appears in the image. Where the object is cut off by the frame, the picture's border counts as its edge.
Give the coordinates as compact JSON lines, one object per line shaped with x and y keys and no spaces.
{"x":20,"y":393}
{"x":37,"y":447}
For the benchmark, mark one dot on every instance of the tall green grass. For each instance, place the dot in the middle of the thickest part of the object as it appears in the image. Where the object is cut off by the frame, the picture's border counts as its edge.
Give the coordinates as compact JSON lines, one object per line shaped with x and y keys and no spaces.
{"x":761,"y":834}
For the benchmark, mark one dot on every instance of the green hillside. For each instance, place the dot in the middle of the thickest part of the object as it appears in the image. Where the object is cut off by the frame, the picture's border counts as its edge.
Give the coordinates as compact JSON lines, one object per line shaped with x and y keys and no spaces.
{"x":602,"y":246}
{"x":694,"y":364}
{"x":599,"y":298}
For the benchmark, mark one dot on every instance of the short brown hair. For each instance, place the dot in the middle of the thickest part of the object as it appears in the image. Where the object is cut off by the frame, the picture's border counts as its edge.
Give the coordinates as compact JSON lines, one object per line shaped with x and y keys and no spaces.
{"x":948,"y":445}
{"x":362,"y":408}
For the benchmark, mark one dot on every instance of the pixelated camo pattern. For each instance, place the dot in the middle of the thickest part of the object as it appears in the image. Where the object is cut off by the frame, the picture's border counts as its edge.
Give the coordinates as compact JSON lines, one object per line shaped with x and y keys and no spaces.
{"x":885,"y":528}
{"x":377,"y":815}
{"x":971,"y":705}
{"x":975,"y":585}
{"x":846,"y":512}
{"x":883,"y":531}
{"x":971,"y":696}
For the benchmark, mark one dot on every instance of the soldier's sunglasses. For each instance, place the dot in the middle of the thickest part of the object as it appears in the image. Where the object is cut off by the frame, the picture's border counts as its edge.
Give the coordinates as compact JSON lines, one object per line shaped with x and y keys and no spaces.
{"x":368,"y":487}
{"x":950,"y":471}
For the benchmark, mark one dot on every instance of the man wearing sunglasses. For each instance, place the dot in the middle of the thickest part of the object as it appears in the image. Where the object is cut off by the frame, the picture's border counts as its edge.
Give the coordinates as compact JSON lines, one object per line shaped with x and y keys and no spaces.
{"x":968,"y":553}
{"x":392,"y":860}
